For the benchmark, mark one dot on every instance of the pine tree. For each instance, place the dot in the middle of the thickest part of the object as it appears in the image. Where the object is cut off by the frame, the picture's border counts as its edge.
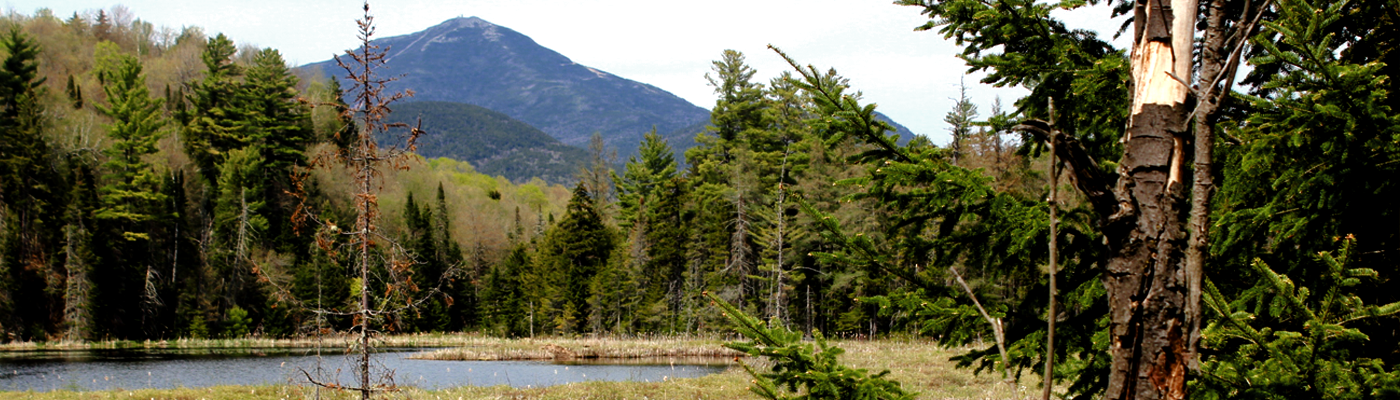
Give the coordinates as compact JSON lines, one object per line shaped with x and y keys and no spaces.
{"x":279,"y":129}
{"x":216,"y":118}
{"x":131,"y":201}
{"x":135,"y":128}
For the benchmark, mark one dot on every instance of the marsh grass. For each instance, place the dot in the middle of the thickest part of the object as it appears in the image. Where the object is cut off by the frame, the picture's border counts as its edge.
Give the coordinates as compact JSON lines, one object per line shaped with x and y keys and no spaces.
{"x":493,"y":349}
{"x":921,"y":365}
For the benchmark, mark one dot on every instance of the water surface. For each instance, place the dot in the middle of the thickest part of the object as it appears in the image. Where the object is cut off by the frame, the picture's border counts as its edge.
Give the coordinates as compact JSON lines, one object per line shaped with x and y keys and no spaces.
{"x":138,"y":369}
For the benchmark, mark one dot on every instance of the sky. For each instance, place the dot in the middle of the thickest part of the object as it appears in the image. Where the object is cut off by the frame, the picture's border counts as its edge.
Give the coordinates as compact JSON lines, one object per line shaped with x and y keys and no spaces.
{"x":912,"y":76}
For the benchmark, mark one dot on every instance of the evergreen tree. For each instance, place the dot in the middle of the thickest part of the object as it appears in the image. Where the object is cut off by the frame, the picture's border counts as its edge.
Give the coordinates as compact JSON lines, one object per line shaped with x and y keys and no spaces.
{"x":573,"y":252}
{"x":29,"y":198}
{"x":642,"y":177}
{"x":670,"y":219}
{"x":135,"y":128}
{"x":731,"y":169}
{"x":75,"y":93}
{"x":131,"y":200}
{"x":240,"y":219}
{"x":460,"y":293}
{"x":960,"y":121}
{"x":506,"y":309}
{"x":279,"y":128}
{"x":216,"y":120}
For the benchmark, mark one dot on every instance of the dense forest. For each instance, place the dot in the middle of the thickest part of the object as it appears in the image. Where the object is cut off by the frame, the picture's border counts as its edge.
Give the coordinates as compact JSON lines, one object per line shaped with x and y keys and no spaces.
{"x":150,"y":179}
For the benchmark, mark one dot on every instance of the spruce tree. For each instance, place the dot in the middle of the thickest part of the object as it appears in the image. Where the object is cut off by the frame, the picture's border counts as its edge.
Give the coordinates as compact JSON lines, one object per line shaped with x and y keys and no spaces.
{"x":575,"y":250}
{"x":29,"y":194}
{"x":643,"y":176}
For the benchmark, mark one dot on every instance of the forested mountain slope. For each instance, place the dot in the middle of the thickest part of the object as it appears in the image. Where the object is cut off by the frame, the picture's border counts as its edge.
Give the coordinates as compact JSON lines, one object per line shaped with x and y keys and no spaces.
{"x":494,"y":143}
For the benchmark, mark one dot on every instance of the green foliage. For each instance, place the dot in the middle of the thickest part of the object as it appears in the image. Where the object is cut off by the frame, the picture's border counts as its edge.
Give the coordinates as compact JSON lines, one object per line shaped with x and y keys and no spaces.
{"x":494,"y":143}
{"x":643,"y":177}
{"x":238,"y":324}
{"x":1020,"y":43}
{"x":29,"y":191}
{"x":136,"y":125}
{"x":1316,"y":140}
{"x":801,"y":370}
{"x":573,"y":252}
{"x":1282,"y":340}
{"x":216,"y":118}
{"x":197,"y":329}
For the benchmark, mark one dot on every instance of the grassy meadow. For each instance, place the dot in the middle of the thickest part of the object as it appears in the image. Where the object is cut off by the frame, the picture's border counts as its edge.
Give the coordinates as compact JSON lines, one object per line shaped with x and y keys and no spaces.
{"x":920,"y":365}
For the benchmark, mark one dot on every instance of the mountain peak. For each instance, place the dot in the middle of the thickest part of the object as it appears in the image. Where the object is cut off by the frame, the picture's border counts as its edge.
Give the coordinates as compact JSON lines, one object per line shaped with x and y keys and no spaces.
{"x":469,"y":60}
{"x":467,"y":22}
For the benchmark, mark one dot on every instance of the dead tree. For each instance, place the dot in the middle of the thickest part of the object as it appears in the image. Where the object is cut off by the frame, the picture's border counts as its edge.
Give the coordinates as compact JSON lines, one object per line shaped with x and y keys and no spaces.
{"x":1153,"y":271}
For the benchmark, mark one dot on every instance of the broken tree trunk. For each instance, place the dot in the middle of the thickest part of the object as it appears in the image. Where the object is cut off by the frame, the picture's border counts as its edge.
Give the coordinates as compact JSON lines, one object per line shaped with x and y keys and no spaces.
{"x":1146,"y":274}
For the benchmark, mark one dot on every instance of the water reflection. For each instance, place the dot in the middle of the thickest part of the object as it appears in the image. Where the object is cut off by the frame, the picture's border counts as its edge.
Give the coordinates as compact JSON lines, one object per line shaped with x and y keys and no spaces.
{"x":128,"y":369}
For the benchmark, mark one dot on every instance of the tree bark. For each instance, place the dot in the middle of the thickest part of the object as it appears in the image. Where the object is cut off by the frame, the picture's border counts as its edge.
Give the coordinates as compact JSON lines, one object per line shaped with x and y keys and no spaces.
{"x":1052,"y":314}
{"x":1213,"y":59}
{"x":1146,"y":274}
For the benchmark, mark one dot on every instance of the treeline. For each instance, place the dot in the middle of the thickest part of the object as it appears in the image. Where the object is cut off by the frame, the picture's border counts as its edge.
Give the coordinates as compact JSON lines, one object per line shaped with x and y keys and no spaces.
{"x":150,"y":180}
{"x":635,"y":252}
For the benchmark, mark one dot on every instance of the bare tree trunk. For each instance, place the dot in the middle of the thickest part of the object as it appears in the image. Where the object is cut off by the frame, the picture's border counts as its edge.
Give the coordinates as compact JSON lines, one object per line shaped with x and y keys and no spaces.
{"x":780,"y":295}
{"x":362,"y":228}
{"x":997,"y":330}
{"x":1053,"y":313}
{"x":1146,"y":271}
{"x":1213,"y":66}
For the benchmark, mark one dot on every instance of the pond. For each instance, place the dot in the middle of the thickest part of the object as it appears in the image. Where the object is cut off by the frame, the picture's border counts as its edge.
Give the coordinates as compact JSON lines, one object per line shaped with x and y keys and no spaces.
{"x":138,"y":369}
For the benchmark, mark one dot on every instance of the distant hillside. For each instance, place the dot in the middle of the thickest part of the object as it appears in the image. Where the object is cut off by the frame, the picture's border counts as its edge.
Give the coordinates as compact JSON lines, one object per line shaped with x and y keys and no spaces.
{"x":470,"y":60}
{"x":494,"y":143}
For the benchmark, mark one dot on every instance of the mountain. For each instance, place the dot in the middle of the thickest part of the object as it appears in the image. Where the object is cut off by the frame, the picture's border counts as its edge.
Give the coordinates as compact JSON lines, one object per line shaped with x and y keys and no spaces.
{"x":470,"y":60}
{"x":492,"y":142}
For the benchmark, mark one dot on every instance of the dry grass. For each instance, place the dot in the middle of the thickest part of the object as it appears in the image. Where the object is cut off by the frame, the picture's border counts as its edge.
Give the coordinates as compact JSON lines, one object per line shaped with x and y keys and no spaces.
{"x":920,"y":365}
{"x":489,"y":349}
